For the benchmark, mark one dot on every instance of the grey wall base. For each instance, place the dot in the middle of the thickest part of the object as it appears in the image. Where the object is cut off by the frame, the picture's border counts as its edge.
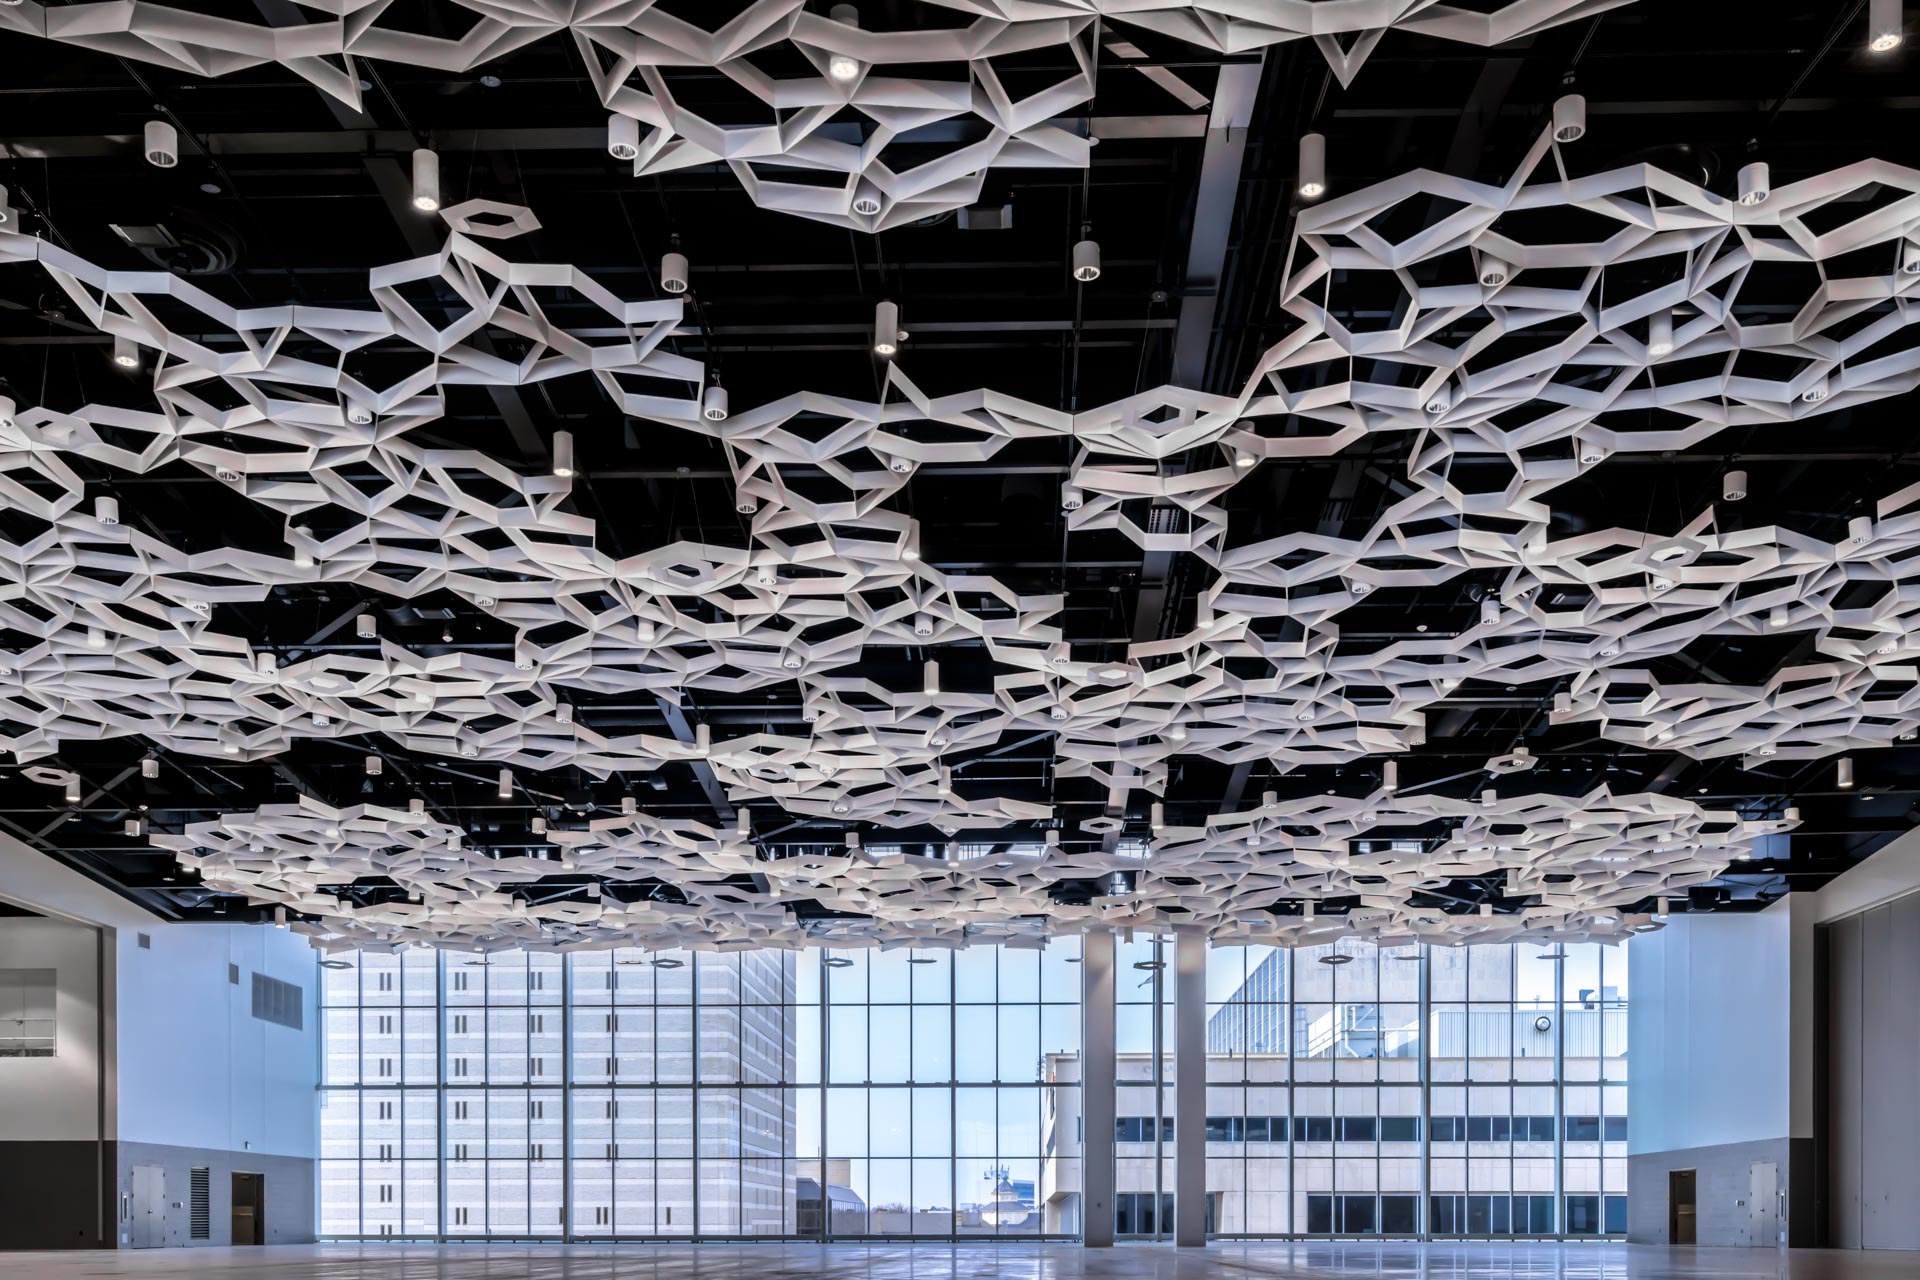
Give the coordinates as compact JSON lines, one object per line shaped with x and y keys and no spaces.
{"x":1721,"y":1188}
{"x":52,"y":1195}
{"x":289,"y":1192}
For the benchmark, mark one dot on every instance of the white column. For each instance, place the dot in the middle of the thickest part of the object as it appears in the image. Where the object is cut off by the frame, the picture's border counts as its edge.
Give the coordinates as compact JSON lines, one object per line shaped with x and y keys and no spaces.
{"x":1097,"y":1071}
{"x":1190,"y":1089}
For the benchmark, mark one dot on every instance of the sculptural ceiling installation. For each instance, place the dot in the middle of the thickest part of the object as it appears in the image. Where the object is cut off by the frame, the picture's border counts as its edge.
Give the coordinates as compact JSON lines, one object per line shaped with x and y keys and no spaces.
{"x":1503,"y":342}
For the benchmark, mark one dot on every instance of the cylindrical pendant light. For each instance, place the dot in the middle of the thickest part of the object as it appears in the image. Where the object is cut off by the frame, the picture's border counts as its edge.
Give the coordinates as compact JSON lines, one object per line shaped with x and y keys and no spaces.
{"x":106,"y":510}
{"x":126,"y":353}
{"x":1660,"y":333}
{"x":1886,"y":25}
{"x":506,"y":784}
{"x":1755,"y":185}
{"x":1570,"y":118}
{"x":1843,"y":772}
{"x":161,"y":141}
{"x":713,"y":403}
{"x":1313,"y":165}
{"x":930,"y":679}
{"x":673,"y":272}
{"x":1086,"y":261}
{"x":426,"y":180}
{"x":1390,"y":776}
{"x":563,"y":454}
{"x":623,"y":137}
{"x":886,"y":329}
{"x":1733,"y":486}
{"x":844,"y":66}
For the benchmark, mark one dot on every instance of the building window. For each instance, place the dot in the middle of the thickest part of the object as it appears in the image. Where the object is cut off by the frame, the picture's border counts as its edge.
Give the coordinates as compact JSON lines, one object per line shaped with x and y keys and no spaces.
{"x":27,"y":1024}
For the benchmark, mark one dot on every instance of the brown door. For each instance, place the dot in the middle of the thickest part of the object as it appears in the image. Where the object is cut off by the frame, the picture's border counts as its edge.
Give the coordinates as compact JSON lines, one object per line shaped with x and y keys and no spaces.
{"x":1680,"y":1214}
{"x":249,"y":1208}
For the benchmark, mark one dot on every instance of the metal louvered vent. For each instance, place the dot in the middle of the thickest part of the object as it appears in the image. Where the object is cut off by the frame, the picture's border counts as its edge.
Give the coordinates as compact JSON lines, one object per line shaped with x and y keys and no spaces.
{"x":276,"y":1001}
{"x":197,"y":1216}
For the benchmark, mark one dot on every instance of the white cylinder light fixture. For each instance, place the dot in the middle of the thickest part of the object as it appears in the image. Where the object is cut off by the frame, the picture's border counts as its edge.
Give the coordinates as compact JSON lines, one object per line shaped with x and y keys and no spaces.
{"x":426,"y":180}
{"x":673,"y":272}
{"x":1755,"y":185}
{"x":72,"y":787}
{"x":713,"y":403}
{"x":563,"y":454}
{"x":1660,"y":333}
{"x":1390,"y":776}
{"x":150,"y":768}
{"x":1733,"y":486}
{"x":1886,"y":25}
{"x":930,"y":679}
{"x":106,"y":510}
{"x":1570,"y":118}
{"x":1313,"y":165}
{"x":1843,"y":773}
{"x":506,"y":784}
{"x":623,"y":137}
{"x":886,"y":329}
{"x":844,"y":67}
{"x":1493,"y":272}
{"x":161,"y":141}
{"x":1086,"y":260}
{"x":6,"y":211}
{"x":375,"y":766}
{"x":126,"y":353}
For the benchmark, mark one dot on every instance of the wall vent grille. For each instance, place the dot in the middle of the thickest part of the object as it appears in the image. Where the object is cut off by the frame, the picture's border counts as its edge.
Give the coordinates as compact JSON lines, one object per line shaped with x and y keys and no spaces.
{"x":197,"y":1215}
{"x":276,"y":1001}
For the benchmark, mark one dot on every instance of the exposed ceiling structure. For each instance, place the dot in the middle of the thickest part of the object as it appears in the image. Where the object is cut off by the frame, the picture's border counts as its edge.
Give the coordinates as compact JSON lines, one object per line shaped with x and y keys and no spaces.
{"x":557,"y":476}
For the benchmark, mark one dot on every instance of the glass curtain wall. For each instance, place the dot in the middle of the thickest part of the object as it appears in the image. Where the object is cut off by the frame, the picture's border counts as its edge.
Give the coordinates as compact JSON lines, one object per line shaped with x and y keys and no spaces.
{"x":626,"y":1094}
{"x":1351,"y":1091}
{"x":1356,"y":1090}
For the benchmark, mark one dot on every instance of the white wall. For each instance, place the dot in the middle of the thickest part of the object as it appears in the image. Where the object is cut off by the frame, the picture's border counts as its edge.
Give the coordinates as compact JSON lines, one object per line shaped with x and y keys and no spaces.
{"x":54,"y":1099}
{"x":1711,"y":1025}
{"x":197,"y":1069}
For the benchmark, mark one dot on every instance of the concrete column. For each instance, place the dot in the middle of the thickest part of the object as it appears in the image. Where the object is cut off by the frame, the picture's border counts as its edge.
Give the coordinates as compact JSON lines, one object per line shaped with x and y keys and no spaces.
{"x":1190,"y":1090}
{"x":1097,"y":1073}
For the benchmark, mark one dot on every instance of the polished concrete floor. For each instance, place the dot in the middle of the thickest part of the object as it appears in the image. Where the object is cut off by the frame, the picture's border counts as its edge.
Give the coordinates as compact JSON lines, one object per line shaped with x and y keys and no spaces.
{"x":1226,"y":1261}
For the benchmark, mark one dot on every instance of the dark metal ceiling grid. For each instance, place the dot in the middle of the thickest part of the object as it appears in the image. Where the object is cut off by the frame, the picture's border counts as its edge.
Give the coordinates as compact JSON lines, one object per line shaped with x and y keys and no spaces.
{"x":284,"y":194}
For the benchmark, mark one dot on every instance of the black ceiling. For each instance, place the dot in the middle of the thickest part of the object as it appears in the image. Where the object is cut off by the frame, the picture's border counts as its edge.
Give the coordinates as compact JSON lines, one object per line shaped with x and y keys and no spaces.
{"x":282,"y":194}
